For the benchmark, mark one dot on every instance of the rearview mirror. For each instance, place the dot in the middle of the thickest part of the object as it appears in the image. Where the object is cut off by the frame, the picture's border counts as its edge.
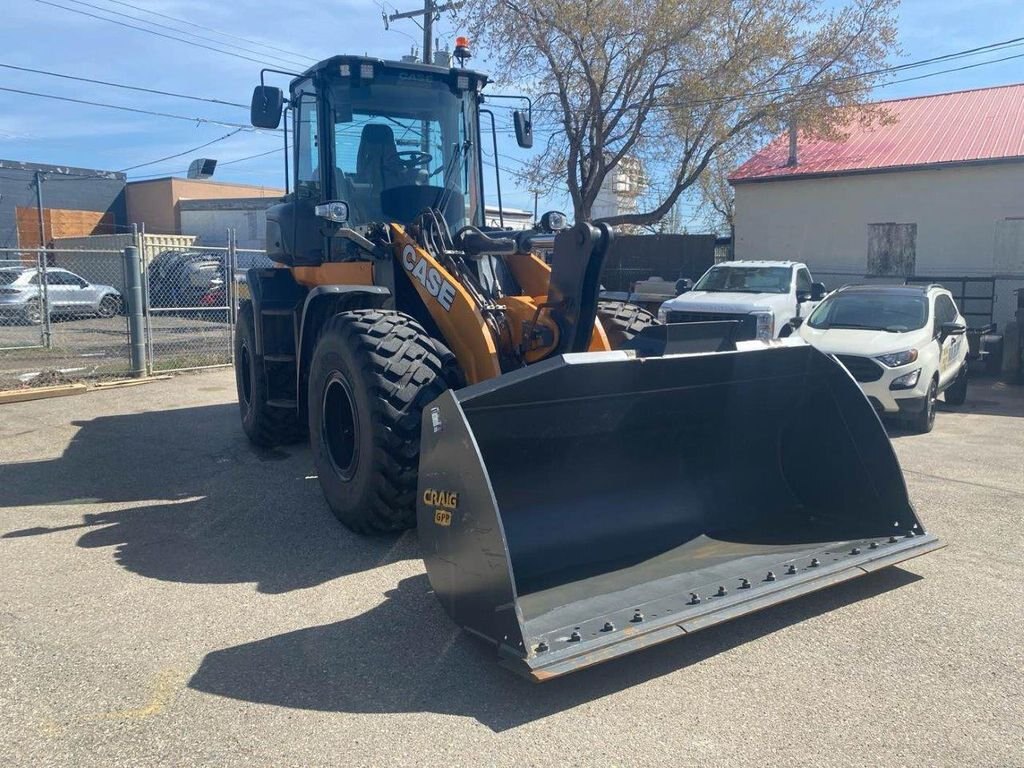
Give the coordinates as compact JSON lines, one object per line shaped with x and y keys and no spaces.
{"x":952,"y":329}
{"x":683,"y":285}
{"x":524,"y":129}
{"x":266,"y":106}
{"x":818,"y":291}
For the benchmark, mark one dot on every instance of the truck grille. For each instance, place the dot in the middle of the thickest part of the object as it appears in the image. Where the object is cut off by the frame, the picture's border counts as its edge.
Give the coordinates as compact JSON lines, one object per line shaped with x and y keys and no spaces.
{"x":748,"y":323}
{"x":861,"y":368}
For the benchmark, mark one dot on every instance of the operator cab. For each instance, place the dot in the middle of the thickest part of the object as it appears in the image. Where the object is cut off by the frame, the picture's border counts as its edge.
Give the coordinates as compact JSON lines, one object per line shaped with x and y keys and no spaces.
{"x":387,"y":139}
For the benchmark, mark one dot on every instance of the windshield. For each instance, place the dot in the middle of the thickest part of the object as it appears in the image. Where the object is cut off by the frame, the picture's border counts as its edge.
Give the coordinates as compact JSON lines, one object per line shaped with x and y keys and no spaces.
{"x":723,"y":279}
{"x":896,"y":313}
{"x":8,"y":276}
{"x":404,"y":142}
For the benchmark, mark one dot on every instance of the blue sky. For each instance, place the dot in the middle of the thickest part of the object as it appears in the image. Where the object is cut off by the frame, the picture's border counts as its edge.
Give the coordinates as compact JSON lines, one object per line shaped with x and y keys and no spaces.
{"x":42,"y":36}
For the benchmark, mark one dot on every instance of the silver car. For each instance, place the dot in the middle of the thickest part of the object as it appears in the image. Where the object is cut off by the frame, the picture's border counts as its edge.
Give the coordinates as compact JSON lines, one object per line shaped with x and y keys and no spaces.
{"x":21,"y":295}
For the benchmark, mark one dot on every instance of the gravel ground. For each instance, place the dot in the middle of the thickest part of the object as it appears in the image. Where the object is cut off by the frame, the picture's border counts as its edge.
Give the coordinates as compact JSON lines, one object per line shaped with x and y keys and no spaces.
{"x":170,"y":596}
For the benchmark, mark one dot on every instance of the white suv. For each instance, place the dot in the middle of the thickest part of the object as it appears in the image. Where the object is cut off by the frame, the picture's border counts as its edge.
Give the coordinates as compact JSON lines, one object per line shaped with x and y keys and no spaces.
{"x":904,"y":344}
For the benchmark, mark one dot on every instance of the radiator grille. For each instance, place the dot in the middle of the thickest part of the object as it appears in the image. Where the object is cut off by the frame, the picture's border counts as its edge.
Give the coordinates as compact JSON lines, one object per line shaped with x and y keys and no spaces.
{"x":861,"y":368}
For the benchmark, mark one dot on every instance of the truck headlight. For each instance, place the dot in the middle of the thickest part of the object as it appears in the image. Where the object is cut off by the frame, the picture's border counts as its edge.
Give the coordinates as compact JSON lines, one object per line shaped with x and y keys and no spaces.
{"x":906,"y":381}
{"x":662,"y":314}
{"x":896,"y":359}
{"x":765,"y":325}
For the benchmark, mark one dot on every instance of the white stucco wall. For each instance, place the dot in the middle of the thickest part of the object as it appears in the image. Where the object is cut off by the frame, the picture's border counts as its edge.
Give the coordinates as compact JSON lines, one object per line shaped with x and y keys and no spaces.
{"x":970,"y":222}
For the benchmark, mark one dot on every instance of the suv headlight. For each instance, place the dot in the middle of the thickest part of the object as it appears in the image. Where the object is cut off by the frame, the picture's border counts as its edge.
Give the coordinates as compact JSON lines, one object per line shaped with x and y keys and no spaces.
{"x":662,"y":314}
{"x":765,"y":325}
{"x":896,"y":359}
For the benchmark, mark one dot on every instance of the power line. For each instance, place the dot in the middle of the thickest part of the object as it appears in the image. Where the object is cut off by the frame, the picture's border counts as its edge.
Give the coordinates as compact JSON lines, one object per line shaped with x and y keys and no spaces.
{"x":179,"y":154}
{"x":152,"y":32}
{"x":211,"y":29}
{"x":157,"y":24}
{"x":208,"y":120}
{"x":219,"y":164}
{"x":125,"y":86}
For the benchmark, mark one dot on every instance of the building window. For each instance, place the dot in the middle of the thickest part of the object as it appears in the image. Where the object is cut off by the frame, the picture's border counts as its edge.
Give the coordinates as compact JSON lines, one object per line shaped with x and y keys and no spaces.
{"x":892,"y":250}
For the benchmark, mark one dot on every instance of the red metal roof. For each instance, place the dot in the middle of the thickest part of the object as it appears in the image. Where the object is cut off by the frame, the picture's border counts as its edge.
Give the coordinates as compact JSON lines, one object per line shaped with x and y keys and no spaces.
{"x":966,"y":126}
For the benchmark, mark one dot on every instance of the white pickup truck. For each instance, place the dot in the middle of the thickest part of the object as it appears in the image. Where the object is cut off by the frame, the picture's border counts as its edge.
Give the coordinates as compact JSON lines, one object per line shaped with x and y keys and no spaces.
{"x":763,"y":295}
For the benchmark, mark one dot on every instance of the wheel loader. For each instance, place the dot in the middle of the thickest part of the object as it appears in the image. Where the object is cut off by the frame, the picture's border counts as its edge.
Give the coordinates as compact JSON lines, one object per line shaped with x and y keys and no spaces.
{"x":585,"y":481}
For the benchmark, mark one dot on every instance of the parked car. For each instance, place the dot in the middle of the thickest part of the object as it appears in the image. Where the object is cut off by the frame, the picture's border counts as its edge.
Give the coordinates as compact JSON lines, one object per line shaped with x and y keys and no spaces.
{"x":21,"y":294}
{"x":764,"y":296}
{"x":184,"y":279}
{"x":905,"y":345}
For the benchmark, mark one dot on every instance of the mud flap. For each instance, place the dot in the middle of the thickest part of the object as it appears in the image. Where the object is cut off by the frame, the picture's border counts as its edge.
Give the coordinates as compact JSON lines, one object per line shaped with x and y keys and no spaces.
{"x":594,"y":504}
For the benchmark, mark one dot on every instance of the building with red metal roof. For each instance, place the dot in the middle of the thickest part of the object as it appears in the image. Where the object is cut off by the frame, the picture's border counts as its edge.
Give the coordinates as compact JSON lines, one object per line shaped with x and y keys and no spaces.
{"x":935,"y":190}
{"x":966,"y":127}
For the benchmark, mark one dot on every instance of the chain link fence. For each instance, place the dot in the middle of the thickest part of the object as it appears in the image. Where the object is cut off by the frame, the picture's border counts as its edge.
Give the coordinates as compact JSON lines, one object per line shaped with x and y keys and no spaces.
{"x":64,"y":312}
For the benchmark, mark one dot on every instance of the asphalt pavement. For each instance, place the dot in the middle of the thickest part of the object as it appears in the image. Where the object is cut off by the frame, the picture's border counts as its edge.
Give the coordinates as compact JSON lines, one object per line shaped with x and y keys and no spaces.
{"x":171,"y":596}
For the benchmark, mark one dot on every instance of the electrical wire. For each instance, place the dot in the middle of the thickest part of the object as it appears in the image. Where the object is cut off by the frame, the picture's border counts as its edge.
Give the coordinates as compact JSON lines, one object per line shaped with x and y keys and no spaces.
{"x":208,"y":120}
{"x":153,"y":32}
{"x":180,"y":154}
{"x":125,"y":86}
{"x":211,"y":29}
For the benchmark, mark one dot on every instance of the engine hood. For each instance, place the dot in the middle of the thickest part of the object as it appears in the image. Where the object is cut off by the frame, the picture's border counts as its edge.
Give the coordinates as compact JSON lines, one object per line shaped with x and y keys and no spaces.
{"x":866,"y":343}
{"x":705,"y":301}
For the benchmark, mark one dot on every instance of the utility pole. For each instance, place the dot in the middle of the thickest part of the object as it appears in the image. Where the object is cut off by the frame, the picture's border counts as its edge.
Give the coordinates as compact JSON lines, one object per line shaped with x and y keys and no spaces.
{"x":431,"y":11}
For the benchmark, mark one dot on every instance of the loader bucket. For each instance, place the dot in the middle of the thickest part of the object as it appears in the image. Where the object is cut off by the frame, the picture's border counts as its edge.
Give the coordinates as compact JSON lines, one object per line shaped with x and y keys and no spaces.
{"x":597,"y":503}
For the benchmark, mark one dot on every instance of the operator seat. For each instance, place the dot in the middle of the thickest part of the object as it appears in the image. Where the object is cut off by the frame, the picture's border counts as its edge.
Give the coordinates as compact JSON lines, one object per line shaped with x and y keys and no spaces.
{"x":377,"y":164}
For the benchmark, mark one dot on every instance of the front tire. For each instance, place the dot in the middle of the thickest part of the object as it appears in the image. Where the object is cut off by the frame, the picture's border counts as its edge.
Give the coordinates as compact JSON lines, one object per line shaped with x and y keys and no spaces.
{"x":371,"y":375}
{"x":923,"y":422}
{"x":622,"y":321}
{"x":264,"y":425}
{"x":956,"y":393}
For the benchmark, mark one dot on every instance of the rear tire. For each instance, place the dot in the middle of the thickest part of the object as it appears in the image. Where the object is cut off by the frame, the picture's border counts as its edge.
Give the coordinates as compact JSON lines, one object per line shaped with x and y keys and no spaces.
{"x":33,"y":312}
{"x":371,"y":375}
{"x":956,"y":393}
{"x":264,"y":425}
{"x":622,"y":321}
{"x":923,"y":422}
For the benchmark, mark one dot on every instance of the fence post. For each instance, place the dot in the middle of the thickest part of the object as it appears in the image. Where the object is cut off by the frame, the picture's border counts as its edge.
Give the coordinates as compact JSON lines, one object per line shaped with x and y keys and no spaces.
{"x":136,"y":332}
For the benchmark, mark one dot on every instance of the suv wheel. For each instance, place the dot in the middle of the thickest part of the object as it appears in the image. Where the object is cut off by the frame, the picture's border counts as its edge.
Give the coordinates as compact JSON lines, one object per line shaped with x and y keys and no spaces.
{"x":923,"y":422}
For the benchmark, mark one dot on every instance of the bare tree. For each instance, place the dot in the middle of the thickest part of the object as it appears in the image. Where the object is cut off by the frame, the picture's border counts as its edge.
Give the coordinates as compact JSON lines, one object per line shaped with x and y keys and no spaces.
{"x":670,"y":82}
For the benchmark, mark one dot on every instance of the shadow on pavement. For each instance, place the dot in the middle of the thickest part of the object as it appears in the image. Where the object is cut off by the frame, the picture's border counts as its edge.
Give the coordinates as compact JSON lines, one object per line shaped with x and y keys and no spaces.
{"x":203,"y":506}
{"x":405,"y":656}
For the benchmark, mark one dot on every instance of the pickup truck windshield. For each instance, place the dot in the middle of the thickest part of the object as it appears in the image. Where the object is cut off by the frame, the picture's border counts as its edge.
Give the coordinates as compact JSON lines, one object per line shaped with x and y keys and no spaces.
{"x":723,"y":279}
{"x":871,"y":311}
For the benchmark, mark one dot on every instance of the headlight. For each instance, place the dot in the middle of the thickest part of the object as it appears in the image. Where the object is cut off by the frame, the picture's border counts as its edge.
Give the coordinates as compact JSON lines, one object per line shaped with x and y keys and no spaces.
{"x":906,"y":381}
{"x":896,"y":359}
{"x":765,"y":325}
{"x":662,"y":315}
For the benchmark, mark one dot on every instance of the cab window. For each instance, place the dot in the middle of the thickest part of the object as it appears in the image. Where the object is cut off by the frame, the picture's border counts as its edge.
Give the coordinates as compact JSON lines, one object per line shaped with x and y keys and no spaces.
{"x":307,"y":146}
{"x":803,"y":281}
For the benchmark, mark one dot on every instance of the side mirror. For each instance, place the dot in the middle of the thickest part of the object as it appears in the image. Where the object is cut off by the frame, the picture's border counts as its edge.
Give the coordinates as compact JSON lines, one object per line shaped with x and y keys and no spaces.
{"x":524,"y":129}
{"x":818,"y":291}
{"x":266,"y":106}
{"x":802,"y":296}
{"x":952,"y":329}
{"x":796,"y":322}
{"x":683,"y":285}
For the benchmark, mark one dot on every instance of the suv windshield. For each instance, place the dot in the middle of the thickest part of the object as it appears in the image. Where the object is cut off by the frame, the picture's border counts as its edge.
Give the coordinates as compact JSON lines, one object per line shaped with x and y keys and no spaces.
{"x":723,"y":279}
{"x":404,"y":142}
{"x":893,"y":312}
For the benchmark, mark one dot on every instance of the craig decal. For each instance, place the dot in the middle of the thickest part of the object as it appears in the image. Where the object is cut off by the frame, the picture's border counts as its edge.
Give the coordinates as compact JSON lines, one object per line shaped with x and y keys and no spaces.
{"x":428,"y":277}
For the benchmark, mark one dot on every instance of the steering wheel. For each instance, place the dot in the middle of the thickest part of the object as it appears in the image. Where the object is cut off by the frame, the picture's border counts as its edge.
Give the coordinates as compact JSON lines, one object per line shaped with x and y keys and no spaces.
{"x":412,"y":158}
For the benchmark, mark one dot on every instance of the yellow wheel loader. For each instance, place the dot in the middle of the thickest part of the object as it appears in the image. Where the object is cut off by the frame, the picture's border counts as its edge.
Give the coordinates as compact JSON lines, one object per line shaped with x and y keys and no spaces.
{"x":586,"y":481}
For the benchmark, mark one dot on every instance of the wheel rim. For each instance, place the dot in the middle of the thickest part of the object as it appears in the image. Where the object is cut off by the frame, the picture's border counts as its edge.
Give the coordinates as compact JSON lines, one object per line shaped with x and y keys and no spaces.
{"x":339,"y":426}
{"x":108,"y":307}
{"x":245,"y":365}
{"x":35,"y":312}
